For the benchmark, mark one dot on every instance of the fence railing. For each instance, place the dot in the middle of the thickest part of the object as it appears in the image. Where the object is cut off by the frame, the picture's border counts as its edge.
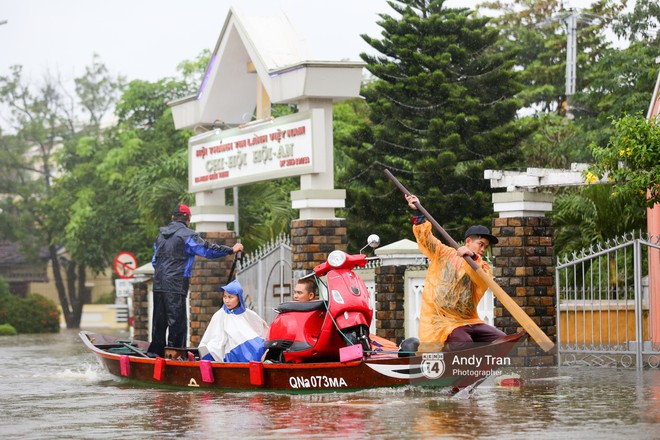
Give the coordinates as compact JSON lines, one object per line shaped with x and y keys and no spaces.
{"x":267,"y":277}
{"x":604,"y":308}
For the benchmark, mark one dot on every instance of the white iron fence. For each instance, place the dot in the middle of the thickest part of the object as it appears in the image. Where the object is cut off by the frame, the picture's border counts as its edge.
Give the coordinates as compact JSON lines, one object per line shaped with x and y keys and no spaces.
{"x":267,"y":277}
{"x":605,"y":309}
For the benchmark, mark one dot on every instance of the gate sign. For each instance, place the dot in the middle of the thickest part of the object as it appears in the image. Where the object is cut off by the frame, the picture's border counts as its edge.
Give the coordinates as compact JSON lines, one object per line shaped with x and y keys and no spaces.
{"x":125,"y":264}
{"x":268,"y":150}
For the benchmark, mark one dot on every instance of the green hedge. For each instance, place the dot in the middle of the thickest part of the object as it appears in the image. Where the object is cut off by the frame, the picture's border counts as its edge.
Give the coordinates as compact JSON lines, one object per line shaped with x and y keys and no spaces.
{"x":7,"y":330}
{"x":32,"y":314}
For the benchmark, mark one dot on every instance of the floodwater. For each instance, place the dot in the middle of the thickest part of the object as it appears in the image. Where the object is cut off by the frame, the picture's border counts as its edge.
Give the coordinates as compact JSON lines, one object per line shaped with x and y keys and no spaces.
{"x":52,"y":388}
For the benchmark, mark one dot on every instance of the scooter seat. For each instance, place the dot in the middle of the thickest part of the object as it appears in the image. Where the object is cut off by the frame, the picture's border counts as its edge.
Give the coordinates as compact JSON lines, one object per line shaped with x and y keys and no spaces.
{"x":301,"y":306}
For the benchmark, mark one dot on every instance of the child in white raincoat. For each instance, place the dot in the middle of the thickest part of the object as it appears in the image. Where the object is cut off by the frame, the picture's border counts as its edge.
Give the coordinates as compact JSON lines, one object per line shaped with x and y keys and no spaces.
{"x":235,"y":334}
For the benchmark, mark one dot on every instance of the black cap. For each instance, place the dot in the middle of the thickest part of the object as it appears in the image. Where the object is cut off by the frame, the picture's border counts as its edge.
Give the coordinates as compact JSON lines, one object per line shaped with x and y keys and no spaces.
{"x":481,"y":231}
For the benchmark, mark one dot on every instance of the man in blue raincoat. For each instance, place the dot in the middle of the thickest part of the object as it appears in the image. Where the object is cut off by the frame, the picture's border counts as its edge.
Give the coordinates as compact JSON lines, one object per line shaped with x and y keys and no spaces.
{"x":174,"y":253}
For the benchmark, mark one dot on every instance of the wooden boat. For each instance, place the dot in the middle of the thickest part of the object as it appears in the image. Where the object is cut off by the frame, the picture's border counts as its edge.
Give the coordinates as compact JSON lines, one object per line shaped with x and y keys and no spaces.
{"x":451,"y":369}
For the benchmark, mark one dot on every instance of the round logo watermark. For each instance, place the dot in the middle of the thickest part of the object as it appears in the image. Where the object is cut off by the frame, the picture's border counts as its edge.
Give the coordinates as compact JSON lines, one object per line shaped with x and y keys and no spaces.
{"x":433,"y":365}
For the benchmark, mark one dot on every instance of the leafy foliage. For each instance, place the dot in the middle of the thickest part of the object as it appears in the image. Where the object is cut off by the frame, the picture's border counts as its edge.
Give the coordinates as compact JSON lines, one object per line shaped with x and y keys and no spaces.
{"x":610,"y":82}
{"x":50,"y":180}
{"x":631,"y":158}
{"x":549,"y":141}
{"x":33,"y":314}
{"x":7,"y":330}
{"x":590,"y":215}
{"x":441,"y":111}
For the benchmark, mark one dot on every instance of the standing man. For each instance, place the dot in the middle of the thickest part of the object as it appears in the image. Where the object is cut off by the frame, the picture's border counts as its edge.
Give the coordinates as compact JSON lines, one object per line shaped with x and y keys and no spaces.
{"x":305,"y":290}
{"x":174,"y":253}
{"x":450,"y":296}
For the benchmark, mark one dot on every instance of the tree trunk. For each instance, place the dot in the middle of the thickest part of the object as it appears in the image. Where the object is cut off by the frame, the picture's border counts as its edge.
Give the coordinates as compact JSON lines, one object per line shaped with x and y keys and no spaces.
{"x":59,"y":285}
{"x":74,"y":297}
{"x":74,"y":294}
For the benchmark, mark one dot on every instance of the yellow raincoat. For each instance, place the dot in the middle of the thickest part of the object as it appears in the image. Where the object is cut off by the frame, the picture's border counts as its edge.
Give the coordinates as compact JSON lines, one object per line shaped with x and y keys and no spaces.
{"x":450,"y":295}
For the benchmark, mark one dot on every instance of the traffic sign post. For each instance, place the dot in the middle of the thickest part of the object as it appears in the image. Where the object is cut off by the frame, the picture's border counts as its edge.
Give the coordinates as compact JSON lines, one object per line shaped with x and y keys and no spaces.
{"x":124,"y":289}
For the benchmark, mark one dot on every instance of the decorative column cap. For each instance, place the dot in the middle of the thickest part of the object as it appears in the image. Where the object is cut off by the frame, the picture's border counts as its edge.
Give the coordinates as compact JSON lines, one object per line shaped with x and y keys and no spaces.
{"x":318,"y":203}
{"x":400,"y":253}
{"x":522,"y":204}
{"x":318,"y":198}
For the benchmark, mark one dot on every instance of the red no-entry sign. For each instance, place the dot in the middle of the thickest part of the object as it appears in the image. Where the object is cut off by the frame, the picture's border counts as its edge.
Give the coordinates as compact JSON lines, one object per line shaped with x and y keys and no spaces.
{"x":125,"y":264}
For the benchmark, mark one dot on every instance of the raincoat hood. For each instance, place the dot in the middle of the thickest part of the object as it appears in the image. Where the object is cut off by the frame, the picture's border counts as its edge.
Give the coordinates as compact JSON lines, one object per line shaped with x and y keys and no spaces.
{"x":234,"y":288}
{"x":171,"y":229}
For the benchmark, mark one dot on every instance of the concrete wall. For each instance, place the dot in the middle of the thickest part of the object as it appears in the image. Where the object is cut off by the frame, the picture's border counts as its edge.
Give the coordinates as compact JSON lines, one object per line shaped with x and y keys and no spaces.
{"x":101,"y":316}
{"x":100,"y":284}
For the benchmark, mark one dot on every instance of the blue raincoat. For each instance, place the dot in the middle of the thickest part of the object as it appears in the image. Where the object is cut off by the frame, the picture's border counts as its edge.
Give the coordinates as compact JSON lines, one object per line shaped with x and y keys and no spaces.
{"x":235,"y":335}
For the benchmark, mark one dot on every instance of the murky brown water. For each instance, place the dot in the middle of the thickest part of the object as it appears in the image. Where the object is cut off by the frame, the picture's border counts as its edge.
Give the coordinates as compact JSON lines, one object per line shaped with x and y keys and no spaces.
{"x":51,"y":387}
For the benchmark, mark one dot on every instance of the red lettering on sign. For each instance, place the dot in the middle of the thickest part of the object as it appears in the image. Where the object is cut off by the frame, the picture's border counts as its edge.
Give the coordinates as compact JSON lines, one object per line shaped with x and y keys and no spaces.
{"x":298,"y":131}
{"x":296,"y":161}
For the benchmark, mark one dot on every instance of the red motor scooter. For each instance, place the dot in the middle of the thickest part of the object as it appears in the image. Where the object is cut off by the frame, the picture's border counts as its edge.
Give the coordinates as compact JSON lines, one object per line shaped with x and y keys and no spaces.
{"x":314,"y":331}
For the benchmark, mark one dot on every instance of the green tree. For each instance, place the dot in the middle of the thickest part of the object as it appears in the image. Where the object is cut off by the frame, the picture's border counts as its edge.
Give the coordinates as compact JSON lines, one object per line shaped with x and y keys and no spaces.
{"x":538,"y":44}
{"x":265,"y":211}
{"x":609,"y":80}
{"x":620,"y":79}
{"x":54,"y":133}
{"x":590,"y":214}
{"x":353,"y":137}
{"x":147,"y":161}
{"x":631,"y":159}
{"x":442,"y":111}
{"x":549,"y":142}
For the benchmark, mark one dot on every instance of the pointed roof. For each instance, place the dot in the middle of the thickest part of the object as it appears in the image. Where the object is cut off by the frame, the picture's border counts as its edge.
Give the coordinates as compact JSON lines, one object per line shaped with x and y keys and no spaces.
{"x":268,"y":49}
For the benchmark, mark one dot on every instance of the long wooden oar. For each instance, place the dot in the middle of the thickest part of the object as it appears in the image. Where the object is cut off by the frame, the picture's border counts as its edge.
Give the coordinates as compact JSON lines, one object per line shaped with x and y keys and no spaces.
{"x":519,"y":314}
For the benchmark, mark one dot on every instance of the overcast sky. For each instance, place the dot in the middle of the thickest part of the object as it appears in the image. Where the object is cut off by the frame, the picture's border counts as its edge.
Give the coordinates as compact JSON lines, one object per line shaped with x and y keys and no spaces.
{"x":146,"y":39}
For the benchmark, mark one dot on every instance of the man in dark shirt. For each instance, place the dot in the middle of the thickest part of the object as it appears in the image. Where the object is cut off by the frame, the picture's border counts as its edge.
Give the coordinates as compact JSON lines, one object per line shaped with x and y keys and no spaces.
{"x":174,"y":253}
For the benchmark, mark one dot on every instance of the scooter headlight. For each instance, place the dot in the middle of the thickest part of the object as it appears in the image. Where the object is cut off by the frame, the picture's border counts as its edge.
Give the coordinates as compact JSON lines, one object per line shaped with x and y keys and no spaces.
{"x":336,"y":258}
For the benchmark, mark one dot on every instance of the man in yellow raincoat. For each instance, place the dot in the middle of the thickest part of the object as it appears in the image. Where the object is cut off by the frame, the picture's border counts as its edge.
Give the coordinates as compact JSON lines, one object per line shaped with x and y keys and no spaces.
{"x":452,"y":289}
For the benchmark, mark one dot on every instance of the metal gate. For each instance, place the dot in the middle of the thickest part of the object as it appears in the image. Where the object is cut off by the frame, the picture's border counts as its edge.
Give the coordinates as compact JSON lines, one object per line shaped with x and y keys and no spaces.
{"x":266,"y":276}
{"x":608,"y":299}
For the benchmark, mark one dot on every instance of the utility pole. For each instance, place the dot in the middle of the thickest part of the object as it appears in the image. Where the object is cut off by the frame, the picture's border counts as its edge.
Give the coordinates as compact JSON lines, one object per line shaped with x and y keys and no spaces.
{"x":571,"y":57}
{"x":570,"y":20}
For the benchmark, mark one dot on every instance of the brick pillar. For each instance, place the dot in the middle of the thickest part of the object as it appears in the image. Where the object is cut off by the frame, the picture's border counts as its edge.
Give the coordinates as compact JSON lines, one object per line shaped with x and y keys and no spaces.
{"x":525,"y":271}
{"x":207,"y":276}
{"x":313,"y":239}
{"x":389,"y":302}
{"x":141,"y":311}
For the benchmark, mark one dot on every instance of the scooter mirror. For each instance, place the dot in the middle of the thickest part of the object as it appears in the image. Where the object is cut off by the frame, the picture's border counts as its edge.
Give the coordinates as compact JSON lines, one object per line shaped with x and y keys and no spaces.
{"x":373,"y":240}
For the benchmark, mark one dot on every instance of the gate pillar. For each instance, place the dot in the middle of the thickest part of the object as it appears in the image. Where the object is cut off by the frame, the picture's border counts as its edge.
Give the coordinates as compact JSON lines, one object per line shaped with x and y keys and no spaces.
{"x":141,"y":311}
{"x":312,"y":240}
{"x":525,"y":271}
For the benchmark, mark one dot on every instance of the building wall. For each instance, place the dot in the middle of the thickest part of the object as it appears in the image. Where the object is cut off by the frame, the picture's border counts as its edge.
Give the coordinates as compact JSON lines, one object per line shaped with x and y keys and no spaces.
{"x":100,"y":284}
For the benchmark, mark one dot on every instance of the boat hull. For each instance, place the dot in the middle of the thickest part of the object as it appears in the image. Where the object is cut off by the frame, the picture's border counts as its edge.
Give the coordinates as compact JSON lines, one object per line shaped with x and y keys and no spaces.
{"x":453,"y":370}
